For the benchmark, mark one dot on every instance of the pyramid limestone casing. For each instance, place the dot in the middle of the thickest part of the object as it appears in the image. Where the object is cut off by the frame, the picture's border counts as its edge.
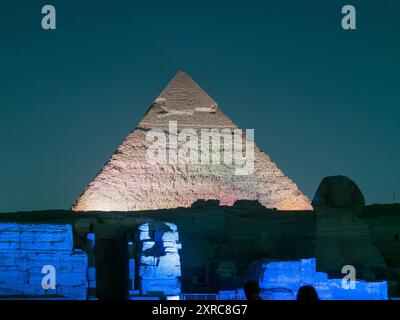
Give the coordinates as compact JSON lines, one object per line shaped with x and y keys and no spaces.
{"x":128,"y":182}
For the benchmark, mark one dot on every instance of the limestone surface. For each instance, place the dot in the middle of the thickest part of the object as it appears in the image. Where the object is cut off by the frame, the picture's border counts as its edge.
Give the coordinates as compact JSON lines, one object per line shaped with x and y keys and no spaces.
{"x":128,"y":182}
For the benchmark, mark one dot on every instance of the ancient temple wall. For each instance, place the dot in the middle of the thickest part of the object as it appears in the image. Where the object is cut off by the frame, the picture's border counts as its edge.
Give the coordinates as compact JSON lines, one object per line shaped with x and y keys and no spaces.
{"x":25,"y":249}
{"x":157,"y":264}
{"x":220,"y":242}
{"x":282,"y":280}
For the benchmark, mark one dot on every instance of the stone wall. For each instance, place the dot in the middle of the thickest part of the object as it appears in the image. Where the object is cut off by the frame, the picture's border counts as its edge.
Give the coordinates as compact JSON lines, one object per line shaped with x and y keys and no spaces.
{"x":158,"y":261}
{"x":217,"y":238}
{"x":26,"y":248}
{"x":282,"y":280}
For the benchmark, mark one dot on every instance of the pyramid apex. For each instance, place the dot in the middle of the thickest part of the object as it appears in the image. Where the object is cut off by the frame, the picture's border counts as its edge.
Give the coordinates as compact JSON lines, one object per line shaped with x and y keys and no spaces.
{"x":184,"y":101}
{"x":183,"y":93}
{"x":182,"y":73}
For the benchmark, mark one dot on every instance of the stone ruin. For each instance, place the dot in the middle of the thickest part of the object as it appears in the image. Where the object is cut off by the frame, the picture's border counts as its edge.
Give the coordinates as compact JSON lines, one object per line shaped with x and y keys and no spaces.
{"x":160,"y":268}
{"x":26,"y":248}
{"x":154,"y":264}
{"x":158,"y":262}
{"x":232,"y":217}
{"x":280,"y":280}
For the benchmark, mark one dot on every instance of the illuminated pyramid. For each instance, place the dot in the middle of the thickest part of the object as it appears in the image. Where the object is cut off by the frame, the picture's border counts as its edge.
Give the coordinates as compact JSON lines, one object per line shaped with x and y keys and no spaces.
{"x":129,"y":182}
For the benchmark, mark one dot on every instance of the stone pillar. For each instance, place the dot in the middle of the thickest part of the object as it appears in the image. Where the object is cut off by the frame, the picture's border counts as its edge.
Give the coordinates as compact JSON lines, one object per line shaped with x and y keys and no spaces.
{"x":158,"y":262}
{"x":91,"y":271}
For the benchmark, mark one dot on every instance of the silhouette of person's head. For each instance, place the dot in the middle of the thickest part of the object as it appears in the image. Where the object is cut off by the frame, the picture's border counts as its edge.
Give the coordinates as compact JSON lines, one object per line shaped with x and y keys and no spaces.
{"x":307,"y":293}
{"x":252,"y":290}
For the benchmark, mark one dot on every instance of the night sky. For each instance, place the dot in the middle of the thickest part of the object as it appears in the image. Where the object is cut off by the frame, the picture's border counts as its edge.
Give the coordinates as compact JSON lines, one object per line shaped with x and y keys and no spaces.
{"x":323,"y":101}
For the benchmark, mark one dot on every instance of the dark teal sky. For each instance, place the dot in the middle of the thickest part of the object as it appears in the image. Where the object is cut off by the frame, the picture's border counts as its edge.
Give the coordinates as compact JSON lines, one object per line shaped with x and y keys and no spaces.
{"x":323,"y":101}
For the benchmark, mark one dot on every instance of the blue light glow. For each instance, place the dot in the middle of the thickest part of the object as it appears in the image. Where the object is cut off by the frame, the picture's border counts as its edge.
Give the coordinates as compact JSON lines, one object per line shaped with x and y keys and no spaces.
{"x":280,"y":280}
{"x":26,"y":248}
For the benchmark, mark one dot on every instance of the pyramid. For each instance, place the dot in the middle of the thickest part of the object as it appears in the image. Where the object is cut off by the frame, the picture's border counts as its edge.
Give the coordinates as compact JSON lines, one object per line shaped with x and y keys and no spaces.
{"x":128,"y":182}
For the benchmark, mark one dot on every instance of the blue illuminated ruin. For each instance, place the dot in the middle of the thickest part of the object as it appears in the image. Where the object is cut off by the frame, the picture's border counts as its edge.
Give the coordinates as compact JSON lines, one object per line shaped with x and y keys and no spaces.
{"x":280,"y":280}
{"x":26,"y":248}
{"x":146,"y":229}
{"x":154,"y":267}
